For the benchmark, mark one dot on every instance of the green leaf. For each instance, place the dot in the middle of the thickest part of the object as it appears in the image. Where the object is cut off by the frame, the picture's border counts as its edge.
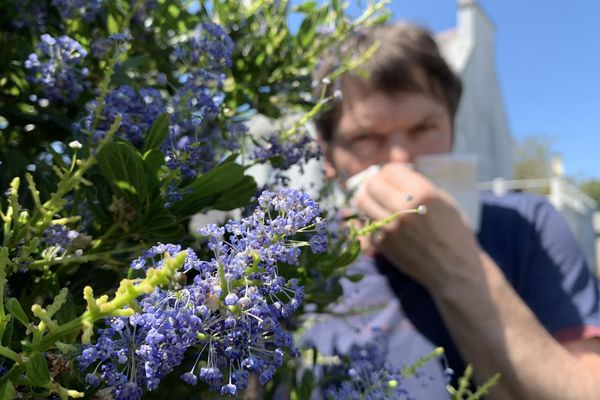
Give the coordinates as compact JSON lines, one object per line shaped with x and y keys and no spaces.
{"x":8,"y":332}
{"x":322,"y":295}
{"x":307,"y":7}
{"x":218,"y":179}
{"x":122,"y":166}
{"x":68,"y":311}
{"x":158,"y":223}
{"x":37,"y":369}
{"x":66,"y":348}
{"x":7,"y":390}
{"x":277,"y":161}
{"x":14,"y":308}
{"x":230,"y":158}
{"x":307,"y":32}
{"x":112,"y":24}
{"x":355,"y":277}
{"x":306,"y":384}
{"x":348,"y":255}
{"x":173,"y":10}
{"x":238,"y":196}
{"x":134,"y":62}
{"x":334,"y":263}
{"x":259,"y":59}
{"x":163,"y":226}
{"x":158,"y":132}
{"x":153,"y":161}
{"x":97,"y":204}
{"x":206,"y":189}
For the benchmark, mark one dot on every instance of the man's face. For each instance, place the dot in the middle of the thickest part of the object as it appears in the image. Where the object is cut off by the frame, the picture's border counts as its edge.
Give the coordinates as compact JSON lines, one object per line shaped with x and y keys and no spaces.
{"x":376,"y":128}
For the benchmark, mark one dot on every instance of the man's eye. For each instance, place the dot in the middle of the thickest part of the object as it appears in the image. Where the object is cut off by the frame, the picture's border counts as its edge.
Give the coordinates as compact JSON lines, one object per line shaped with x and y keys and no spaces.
{"x":422,"y":128}
{"x":367,"y":140}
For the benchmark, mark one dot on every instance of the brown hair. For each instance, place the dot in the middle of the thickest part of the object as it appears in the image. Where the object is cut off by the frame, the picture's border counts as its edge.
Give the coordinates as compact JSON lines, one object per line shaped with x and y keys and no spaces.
{"x":405,"y":55}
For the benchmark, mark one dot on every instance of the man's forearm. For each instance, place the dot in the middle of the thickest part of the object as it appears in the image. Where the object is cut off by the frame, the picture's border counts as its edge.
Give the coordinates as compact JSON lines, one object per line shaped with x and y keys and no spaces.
{"x":496,"y":332}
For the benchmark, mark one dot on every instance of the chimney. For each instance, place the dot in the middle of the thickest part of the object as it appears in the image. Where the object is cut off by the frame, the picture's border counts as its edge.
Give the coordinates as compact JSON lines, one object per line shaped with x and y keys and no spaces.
{"x":473,"y":23}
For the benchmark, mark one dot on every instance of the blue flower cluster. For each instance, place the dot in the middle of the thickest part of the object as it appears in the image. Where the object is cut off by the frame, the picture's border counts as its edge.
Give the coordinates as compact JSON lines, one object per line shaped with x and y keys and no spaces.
{"x":33,"y":15}
{"x":195,"y":140}
{"x":190,"y":158}
{"x":59,"y":237}
{"x":57,"y":68}
{"x":228,"y":316}
{"x":142,"y":11}
{"x":78,"y":9}
{"x":138,"y":110}
{"x":283,"y":154}
{"x":193,"y":137}
{"x":365,"y":375}
{"x":101,"y":47}
{"x":208,"y":45}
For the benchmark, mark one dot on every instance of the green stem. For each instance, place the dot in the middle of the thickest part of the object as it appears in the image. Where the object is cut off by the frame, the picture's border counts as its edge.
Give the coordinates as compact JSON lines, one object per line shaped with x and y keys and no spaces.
{"x":101,"y":240}
{"x":103,"y":92}
{"x":12,"y":211}
{"x":10,"y":354}
{"x":82,"y":259}
{"x":376,"y":225}
{"x":67,"y":329}
{"x":42,"y":216}
{"x":126,"y":295}
{"x":15,"y":371}
{"x":3,"y":265}
{"x":221,"y":272}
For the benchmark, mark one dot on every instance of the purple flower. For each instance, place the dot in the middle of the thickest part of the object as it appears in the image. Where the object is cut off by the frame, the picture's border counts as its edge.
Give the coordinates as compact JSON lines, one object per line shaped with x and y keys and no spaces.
{"x":191,"y":159}
{"x":78,"y":9}
{"x":101,"y":47}
{"x":143,"y":10}
{"x":195,"y":142}
{"x":138,"y":110}
{"x":32,"y":14}
{"x":229,"y":316}
{"x":189,"y":378}
{"x":57,"y":68}
{"x":229,"y":390}
{"x":59,"y":237}
{"x":285,"y":153}
{"x":208,"y":44}
{"x":364,"y":374}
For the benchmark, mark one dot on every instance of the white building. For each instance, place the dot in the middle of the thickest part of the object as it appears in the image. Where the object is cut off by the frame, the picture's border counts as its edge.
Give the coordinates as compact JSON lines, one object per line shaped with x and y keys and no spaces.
{"x":481,"y":126}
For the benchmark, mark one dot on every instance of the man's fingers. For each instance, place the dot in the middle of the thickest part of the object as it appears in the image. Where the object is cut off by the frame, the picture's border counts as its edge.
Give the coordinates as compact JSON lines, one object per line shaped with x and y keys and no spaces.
{"x":370,"y":206}
{"x":392,"y":198}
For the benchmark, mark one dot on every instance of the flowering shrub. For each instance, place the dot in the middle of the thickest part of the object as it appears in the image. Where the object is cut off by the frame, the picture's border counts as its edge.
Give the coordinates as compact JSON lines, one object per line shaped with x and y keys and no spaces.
{"x":120,"y":120}
{"x":229,"y":314}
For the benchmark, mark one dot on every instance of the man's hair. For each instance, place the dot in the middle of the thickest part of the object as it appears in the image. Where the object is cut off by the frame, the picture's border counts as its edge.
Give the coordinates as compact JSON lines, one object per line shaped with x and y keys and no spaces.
{"x":407,"y":60}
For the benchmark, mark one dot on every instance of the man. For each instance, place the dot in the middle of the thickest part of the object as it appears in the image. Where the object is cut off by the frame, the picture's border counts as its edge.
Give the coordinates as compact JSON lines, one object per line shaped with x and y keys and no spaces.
{"x":517,"y":298}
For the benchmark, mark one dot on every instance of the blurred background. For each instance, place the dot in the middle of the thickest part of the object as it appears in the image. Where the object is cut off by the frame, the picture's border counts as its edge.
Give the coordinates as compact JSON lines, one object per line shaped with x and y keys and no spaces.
{"x":531,"y":105}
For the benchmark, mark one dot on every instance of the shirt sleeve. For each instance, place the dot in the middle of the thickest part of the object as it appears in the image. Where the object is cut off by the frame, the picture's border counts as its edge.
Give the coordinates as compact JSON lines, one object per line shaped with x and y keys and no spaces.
{"x":554,"y":278}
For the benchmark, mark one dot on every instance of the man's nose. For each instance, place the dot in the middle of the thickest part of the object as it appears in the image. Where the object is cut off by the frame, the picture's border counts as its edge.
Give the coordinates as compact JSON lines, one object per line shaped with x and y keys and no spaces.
{"x":399,"y":150}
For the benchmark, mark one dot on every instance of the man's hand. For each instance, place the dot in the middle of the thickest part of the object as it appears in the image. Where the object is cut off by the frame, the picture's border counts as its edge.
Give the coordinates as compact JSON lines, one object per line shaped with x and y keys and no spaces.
{"x":492,"y":327}
{"x":430,"y":248}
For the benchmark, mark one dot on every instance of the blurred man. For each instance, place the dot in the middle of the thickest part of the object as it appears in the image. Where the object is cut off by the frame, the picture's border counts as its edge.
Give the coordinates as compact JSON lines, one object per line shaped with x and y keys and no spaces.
{"x":515,"y":298}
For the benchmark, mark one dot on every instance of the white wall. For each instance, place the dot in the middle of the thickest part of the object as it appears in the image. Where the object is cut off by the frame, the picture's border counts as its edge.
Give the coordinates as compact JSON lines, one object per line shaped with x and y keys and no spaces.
{"x":481,"y":125}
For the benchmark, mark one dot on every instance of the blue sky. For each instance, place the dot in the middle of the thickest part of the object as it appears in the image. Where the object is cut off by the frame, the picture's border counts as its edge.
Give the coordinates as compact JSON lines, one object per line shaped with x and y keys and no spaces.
{"x":548,"y":61}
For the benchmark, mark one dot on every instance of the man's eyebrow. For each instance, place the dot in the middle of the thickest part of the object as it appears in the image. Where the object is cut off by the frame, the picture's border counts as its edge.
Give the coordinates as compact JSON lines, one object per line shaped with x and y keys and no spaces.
{"x":430,"y":116}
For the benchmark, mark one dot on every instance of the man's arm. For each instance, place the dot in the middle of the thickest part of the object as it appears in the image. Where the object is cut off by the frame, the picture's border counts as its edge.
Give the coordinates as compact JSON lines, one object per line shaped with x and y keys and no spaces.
{"x":491,"y":326}
{"x":496,"y":332}
{"x":587,"y":352}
